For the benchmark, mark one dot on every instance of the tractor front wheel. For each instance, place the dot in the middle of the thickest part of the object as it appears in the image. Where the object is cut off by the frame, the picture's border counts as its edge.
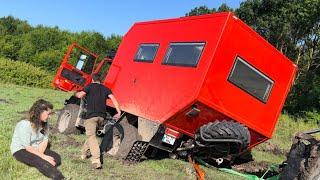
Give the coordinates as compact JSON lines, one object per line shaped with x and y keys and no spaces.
{"x":67,"y":119}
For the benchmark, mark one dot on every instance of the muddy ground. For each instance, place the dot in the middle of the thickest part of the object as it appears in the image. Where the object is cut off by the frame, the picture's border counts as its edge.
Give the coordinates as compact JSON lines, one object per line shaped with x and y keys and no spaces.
{"x":252,"y":167}
{"x":258,"y":168}
{"x":261,"y":167}
{"x":271,"y":148}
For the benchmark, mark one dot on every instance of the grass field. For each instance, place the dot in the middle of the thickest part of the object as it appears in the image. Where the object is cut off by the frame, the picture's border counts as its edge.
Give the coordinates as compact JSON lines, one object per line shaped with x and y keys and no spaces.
{"x":16,"y":100}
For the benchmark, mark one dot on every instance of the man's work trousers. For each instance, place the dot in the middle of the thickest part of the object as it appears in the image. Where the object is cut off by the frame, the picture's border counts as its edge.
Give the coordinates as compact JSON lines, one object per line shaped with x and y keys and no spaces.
{"x":92,"y":142}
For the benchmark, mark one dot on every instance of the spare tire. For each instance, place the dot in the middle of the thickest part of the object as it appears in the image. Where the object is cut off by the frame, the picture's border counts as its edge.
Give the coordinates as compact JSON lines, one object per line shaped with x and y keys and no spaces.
{"x":67,"y":119}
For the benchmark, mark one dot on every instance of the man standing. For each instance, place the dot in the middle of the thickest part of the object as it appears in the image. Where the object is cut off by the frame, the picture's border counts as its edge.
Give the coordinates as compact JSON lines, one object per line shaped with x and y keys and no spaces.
{"x":96,"y":96}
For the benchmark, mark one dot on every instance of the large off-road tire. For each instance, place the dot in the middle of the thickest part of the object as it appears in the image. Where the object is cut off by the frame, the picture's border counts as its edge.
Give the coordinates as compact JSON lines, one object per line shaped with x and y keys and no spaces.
{"x":303,"y":162}
{"x":225,"y":130}
{"x":126,"y":130}
{"x":222,"y":139}
{"x":67,"y":119}
{"x":130,"y":135}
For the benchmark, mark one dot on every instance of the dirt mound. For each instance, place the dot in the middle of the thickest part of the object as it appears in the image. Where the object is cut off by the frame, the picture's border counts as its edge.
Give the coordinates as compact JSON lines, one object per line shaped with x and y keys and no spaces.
{"x":271,"y":148}
{"x":69,"y":141}
{"x":253,"y":167}
{"x":53,"y":130}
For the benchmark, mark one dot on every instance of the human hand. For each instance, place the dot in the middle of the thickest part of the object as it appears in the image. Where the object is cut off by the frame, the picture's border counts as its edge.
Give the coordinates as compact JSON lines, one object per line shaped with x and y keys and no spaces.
{"x":117,"y":116}
{"x":49,"y":159}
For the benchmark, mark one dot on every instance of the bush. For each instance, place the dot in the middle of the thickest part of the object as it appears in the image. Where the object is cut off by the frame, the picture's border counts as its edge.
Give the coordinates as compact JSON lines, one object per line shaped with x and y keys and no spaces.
{"x":313,"y":116}
{"x":21,"y":73}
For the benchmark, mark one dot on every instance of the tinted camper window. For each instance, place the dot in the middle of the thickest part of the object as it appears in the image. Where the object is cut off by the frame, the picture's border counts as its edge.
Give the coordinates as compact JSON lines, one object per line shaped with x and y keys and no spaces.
{"x":183,"y":54}
{"x":251,"y":80}
{"x":146,"y":52}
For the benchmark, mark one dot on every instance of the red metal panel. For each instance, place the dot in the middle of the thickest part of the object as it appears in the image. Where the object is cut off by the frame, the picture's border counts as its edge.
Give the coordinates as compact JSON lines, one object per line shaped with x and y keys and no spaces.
{"x":218,"y":93}
{"x":188,"y":125}
{"x":153,"y":90}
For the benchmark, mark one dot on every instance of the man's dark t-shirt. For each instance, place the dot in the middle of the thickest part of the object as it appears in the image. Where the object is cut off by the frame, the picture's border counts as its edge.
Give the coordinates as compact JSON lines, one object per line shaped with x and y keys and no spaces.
{"x":96,"y":96}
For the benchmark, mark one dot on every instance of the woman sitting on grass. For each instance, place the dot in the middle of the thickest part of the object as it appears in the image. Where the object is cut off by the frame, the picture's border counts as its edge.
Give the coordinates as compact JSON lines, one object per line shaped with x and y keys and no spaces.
{"x":30,"y":141}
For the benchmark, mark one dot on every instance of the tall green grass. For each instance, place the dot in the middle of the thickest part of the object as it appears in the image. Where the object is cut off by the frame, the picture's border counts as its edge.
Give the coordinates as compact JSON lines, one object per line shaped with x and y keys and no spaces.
{"x":287,"y":127}
{"x":282,"y":138}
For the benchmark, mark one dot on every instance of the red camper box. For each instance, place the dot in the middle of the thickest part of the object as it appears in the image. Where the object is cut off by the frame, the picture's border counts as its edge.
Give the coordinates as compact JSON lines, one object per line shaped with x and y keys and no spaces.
{"x":209,"y":85}
{"x":215,"y":63}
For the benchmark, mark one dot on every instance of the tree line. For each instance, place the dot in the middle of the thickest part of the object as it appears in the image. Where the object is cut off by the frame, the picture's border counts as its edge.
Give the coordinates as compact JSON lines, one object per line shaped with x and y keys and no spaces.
{"x":44,"y":47}
{"x":292,"y":26}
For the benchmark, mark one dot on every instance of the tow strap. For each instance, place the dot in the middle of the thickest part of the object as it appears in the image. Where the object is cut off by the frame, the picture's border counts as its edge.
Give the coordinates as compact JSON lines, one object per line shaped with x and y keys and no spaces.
{"x":199,"y":172}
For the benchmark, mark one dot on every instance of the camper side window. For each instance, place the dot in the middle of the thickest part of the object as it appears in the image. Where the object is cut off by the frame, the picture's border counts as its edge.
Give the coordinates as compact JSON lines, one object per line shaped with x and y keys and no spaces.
{"x":251,"y":80}
{"x":184,"y":54}
{"x":146,"y":52}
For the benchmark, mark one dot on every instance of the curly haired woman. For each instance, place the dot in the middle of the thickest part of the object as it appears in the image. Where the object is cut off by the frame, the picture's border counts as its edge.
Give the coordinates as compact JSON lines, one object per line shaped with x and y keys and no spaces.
{"x":30,"y":141}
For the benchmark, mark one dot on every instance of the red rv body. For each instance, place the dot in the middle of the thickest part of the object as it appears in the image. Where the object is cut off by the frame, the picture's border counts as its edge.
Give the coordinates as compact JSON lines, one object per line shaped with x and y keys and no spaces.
{"x":164,"y":93}
{"x":203,"y":84}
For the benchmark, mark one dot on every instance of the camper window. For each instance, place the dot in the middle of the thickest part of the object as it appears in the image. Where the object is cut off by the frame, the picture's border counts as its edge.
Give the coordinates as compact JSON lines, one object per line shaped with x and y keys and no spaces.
{"x":184,"y":54}
{"x":251,"y":80}
{"x":146,"y":52}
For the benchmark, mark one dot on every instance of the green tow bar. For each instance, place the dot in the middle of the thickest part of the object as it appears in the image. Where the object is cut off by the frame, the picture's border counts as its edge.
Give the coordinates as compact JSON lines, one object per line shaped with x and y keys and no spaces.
{"x":250,"y":176}
{"x":247,"y":176}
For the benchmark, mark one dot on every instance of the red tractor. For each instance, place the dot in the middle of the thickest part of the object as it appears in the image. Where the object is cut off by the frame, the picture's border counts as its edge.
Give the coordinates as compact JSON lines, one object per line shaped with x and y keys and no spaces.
{"x":206,"y":85}
{"x":76,"y":68}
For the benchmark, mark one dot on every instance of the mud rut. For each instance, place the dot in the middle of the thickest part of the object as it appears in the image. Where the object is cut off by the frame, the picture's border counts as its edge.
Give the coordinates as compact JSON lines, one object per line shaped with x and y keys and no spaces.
{"x":258,"y":168}
{"x":303,"y":162}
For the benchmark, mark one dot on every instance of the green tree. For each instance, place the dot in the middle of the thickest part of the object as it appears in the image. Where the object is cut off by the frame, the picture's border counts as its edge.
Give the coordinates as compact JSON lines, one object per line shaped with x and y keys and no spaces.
{"x":225,"y":8}
{"x":113,"y":43}
{"x":45,"y":38}
{"x":12,"y":26}
{"x":10,"y":45}
{"x":293,"y":28}
{"x":48,"y":60}
{"x":205,"y":10}
{"x":200,"y":10}
{"x":93,"y":41}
